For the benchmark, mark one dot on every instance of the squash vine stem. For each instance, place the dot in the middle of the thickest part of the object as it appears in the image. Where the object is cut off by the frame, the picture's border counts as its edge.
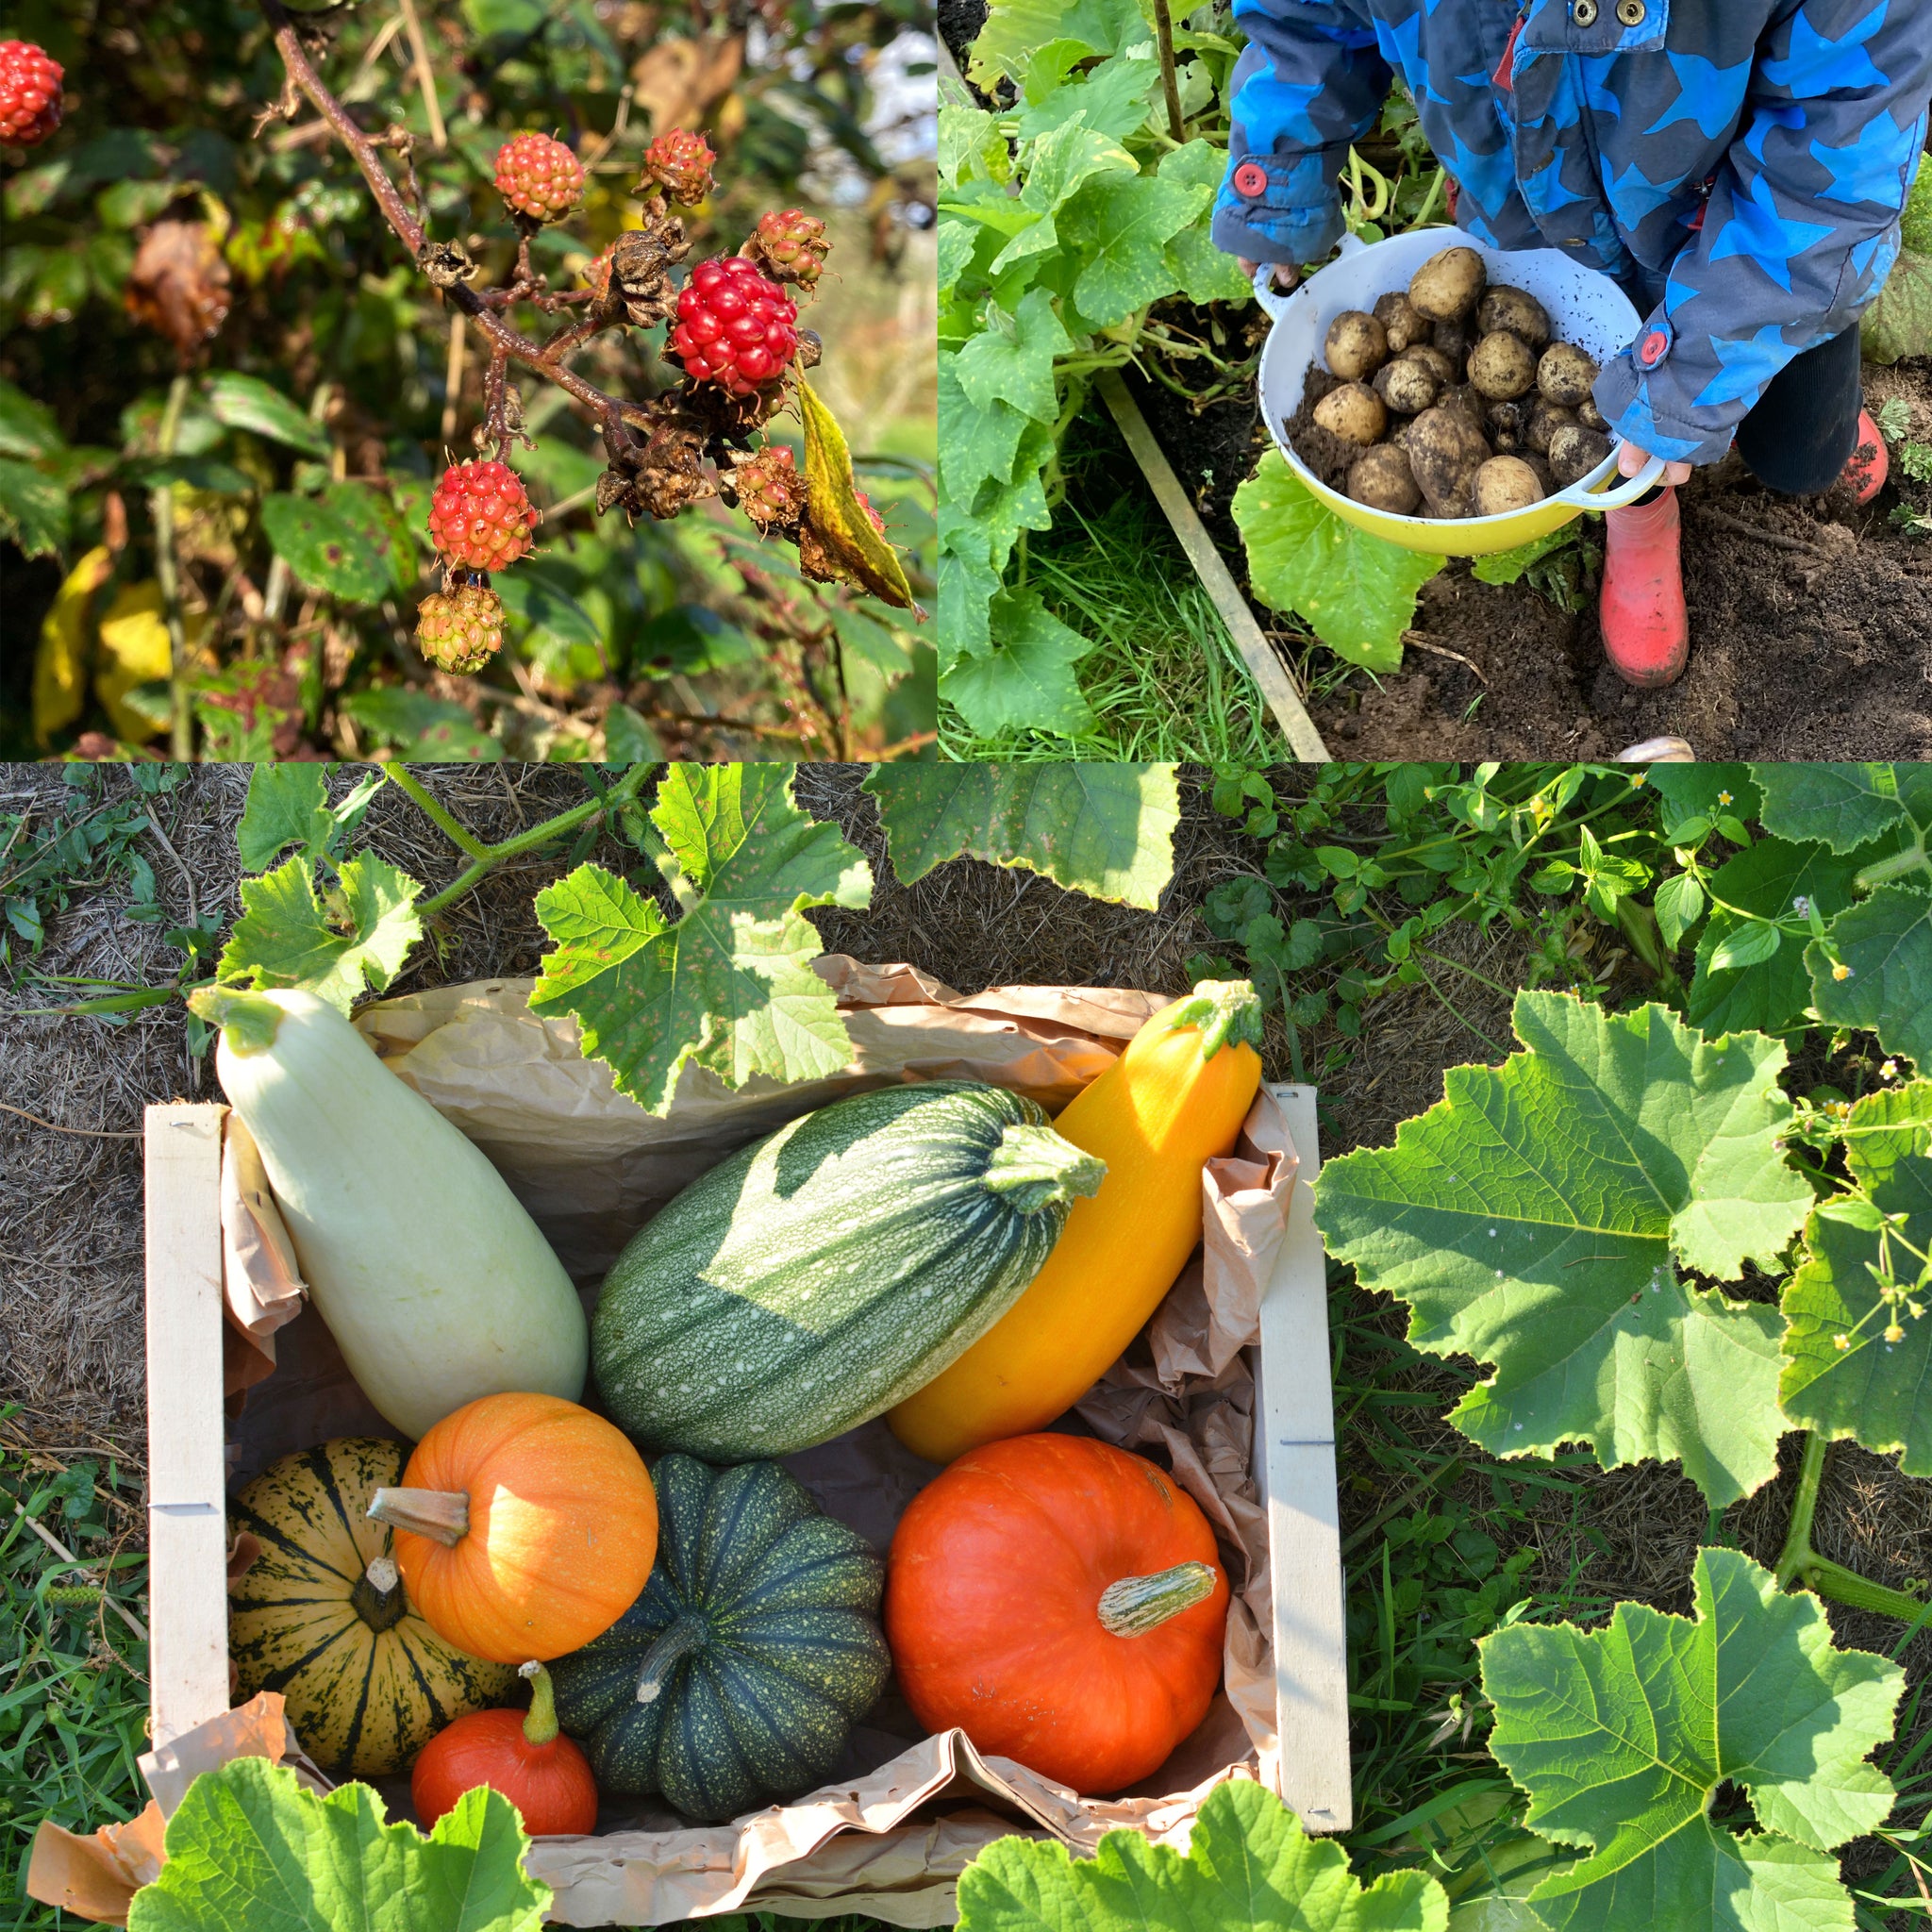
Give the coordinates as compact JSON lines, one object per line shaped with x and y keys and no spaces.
{"x":1800,"y":1565}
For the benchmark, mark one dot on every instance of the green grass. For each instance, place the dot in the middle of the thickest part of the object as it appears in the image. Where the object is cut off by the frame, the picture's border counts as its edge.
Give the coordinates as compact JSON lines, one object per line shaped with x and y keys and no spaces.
{"x":73,"y":1697}
{"x":1164,"y":679}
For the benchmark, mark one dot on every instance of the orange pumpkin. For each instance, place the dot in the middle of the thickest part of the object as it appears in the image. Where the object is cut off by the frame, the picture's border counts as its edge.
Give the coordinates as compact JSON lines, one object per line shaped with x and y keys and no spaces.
{"x":525,"y":1526}
{"x":518,"y":1753}
{"x":1060,"y":1601}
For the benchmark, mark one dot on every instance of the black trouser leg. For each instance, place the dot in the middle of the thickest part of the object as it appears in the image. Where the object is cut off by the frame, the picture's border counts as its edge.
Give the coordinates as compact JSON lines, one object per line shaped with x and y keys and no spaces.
{"x":1802,"y":430}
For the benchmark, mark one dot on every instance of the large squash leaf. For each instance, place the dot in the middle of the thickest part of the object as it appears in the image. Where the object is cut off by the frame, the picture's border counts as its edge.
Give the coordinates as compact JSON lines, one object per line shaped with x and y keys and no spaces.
{"x":1537,"y":1219}
{"x":1884,"y":948}
{"x":250,"y":1847}
{"x":1621,"y":1737}
{"x":288,"y":804}
{"x":1355,"y":591}
{"x":1105,"y":830}
{"x":355,"y":936}
{"x":1249,"y":1864}
{"x":1844,"y":1372}
{"x":730,"y":983}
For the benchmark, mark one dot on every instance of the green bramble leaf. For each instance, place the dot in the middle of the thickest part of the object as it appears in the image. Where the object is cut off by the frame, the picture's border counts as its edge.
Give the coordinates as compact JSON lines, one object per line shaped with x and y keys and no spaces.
{"x":33,"y":509}
{"x":288,"y":804}
{"x":1873,"y":1388}
{"x":353,"y":939}
{"x":1621,"y":1737}
{"x":1025,"y":677}
{"x":245,"y":402}
{"x":1355,"y":591}
{"x":380,"y":525}
{"x":325,"y":550}
{"x":1885,"y":943}
{"x":1767,"y":880}
{"x":423,"y":730}
{"x":249,"y":1843}
{"x":1538,"y":1217}
{"x":1248,"y":1865}
{"x":1103,"y":829}
{"x":729,"y":985}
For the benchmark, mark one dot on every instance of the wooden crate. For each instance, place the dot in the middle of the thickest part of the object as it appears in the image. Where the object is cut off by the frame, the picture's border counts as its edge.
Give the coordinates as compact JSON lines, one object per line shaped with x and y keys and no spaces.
{"x":1294,"y":1455}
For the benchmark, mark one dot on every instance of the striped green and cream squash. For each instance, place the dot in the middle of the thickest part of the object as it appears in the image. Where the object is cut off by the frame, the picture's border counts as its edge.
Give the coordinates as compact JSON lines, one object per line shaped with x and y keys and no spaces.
{"x":823,"y":1274}
{"x":322,"y":1617}
{"x":734,"y":1680}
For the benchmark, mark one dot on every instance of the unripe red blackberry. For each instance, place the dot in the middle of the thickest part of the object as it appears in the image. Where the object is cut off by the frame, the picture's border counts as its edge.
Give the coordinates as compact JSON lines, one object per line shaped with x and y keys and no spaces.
{"x":769,"y":489}
{"x":791,"y":246}
{"x":30,"y":94}
{"x":734,"y":327}
{"x":680,"y":164}
{"x":480,"y":516}
{"x":538,"y":177}
{"x":462,"y":630}
{"x":878,"y":522}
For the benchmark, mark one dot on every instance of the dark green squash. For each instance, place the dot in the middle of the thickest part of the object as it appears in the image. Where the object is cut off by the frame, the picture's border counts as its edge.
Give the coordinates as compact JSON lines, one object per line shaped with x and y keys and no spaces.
{"x":734,"y":1680}
{"x":820,"y":1275}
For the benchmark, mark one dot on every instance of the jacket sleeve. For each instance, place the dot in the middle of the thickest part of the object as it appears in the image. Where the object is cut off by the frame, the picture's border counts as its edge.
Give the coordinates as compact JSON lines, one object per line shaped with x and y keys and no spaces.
{"x":1799,"y":232}
{"x":1310,"y":82}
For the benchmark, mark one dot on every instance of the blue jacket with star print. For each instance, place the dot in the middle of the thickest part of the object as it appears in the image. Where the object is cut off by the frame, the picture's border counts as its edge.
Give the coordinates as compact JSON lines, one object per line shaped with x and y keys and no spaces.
{"x":1738,"y":166}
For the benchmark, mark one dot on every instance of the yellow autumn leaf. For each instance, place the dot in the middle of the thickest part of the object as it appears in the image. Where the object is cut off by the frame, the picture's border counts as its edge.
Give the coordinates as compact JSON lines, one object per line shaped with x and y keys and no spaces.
{"x":61,"y":663}
{"x":837,"y":540}
{"x":134,"y":650}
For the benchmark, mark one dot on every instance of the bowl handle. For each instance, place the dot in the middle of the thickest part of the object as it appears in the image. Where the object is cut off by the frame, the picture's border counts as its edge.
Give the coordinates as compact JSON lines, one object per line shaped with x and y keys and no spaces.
{"x":1273,"y":301}
{"x":1619,"y":495}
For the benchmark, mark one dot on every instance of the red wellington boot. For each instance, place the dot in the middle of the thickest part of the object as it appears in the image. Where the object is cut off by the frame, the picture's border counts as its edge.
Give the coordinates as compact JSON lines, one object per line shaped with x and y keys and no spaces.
{"x":1870,"y":465}
{"x":1646,"y":630}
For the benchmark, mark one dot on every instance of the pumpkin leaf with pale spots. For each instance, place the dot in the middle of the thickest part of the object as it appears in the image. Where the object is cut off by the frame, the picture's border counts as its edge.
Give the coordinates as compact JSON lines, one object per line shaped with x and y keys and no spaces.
{"x":836,"y":542}
{"x":728,"y":986}
{"x":250,"y":1846}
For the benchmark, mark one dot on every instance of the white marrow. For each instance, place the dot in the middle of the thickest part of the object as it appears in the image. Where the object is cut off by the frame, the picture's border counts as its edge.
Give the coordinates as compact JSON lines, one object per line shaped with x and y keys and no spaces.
{"x":433,"y":1280}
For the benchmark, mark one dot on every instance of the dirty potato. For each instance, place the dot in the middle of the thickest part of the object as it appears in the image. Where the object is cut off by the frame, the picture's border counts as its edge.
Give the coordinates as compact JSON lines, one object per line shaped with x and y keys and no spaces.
{"x":1445,"y":450}
{"x":1545,"y":419}
{"x":1403,"y":324}
{"x":1408,"y":385}
{"x":1382,"y":478}
{"x":1449,"y":285}
{"x":1505,"y":424}
{"x":1455,"y":340}
{"x":1502,"y":366}
{"x":1353,"y":412}
{"x":1565,"y":374}
{"x":1504,"y":484}
{"x":1515,"y":310}
{"x":1590,"y":415}
{"x":1575,"y":451}
{"x":1466,"y":401}
{"x":1356,"y":346}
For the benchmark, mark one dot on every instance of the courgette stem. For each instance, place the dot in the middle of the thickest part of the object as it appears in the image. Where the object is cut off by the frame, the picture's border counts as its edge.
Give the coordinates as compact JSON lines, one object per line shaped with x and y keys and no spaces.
{"x":678,"y":1639}
{"x":441,"y":1515}
{"x":1136,"y":1605}
{"x":539,"y":1720}
{"x":1799,"y":1565}
{"x":1034,"y":1168}
{"x":1225,"y":1011}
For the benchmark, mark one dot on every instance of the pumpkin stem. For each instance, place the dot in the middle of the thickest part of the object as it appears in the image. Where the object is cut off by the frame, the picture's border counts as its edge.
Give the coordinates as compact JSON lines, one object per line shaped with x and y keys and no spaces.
{"x":688,"y":1633}
{"x":1034,"y":1168}
{"x":1136,"y":1605}
{"x":442,"y":1515}
{"x":539,"y":1720}
{"x":1224,"y":1011}
{"x":377,"y":1597}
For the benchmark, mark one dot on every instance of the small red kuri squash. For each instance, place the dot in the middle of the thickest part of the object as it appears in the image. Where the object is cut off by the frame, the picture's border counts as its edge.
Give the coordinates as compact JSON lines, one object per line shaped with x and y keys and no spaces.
{"x":525,"y":1526}
{"x":520,"y":1754}
{"x":1060,"y":1601}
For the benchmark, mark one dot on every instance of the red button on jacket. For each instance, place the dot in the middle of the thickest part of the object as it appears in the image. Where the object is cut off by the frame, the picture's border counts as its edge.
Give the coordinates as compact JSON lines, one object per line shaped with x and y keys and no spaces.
{"x":1655,"y":346}
{"x":1250,"y":178}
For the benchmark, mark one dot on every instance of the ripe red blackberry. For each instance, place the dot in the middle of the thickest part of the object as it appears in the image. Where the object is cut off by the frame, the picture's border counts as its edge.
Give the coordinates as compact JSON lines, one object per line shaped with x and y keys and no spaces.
{"x":30,"y":94}
{"x":734,"y":327}
{"x":462,"y":630}
{"x":769,"y":489}
{"x":538,"y":177}
{"x":480,"y":516}
{"x":680,"y":164}
{"x":790,"y":246}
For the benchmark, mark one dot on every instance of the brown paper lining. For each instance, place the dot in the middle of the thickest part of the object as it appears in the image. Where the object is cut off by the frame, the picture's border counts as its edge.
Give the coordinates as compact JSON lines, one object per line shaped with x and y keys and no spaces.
{"x":890,"y":1837}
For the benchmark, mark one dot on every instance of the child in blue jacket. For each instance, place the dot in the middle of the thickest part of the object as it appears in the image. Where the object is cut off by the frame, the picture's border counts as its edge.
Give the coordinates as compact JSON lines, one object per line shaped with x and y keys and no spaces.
{"x":1739,"y":166}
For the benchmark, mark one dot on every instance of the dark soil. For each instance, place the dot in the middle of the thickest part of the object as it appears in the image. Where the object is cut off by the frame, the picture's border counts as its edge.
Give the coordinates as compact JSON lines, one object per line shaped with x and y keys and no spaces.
{"x":959,"y":25}
{"x":1810,"y":624}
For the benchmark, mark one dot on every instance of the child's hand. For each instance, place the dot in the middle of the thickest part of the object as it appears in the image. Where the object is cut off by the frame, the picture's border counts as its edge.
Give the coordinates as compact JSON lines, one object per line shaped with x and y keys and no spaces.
{"x":1287,"y":277}
{"x":1630,"y":459}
